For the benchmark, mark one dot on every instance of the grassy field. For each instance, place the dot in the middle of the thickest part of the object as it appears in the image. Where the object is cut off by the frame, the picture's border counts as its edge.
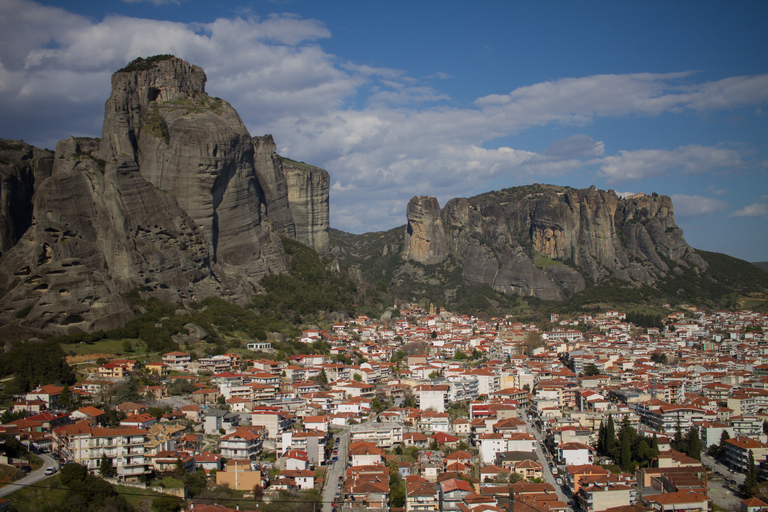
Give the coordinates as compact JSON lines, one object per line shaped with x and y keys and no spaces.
{"x":106,"y":347}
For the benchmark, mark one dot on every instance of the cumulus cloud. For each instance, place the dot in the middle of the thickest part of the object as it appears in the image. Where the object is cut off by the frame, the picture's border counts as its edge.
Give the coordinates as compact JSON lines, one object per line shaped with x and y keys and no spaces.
{"x":575,"y":146}
{"x":648,"y":163}
{"x":382,"y":134}
{"x":753,"y":210}
{"x":691,"y":206}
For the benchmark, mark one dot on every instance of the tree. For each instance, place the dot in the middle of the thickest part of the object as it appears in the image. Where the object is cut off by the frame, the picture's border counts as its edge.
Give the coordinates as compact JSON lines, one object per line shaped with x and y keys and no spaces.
{"x":610,"y":436}
{"x":65,"y":397}
{"x":591,"y":370}
{"x":724,"y":437}
{"x":750,"y":482}
{"x":105,"y":467}
{"x":693,"y":443}
{"x":167,"y":504}
{"x":357,"y":377}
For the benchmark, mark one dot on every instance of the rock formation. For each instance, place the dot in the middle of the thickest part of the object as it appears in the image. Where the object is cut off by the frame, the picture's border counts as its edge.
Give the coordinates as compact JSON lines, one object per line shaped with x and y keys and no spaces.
{"x":543,"y":241}
{"x":425,"y":240}
{"x":176,"y":199}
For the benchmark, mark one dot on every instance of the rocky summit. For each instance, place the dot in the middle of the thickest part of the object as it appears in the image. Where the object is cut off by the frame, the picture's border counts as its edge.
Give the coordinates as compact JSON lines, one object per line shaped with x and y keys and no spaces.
{"x":546,"y":241}
{"x":175,"y":199}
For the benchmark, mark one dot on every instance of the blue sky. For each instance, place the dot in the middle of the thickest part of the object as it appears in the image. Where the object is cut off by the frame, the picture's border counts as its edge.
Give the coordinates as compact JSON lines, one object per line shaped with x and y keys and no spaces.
{"x":441,"y":98}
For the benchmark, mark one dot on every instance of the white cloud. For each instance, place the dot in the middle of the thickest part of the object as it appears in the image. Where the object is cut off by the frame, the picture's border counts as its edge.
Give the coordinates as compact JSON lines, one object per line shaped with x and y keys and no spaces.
{"x":753,"y":210}
{"x":690,"y":206}
{"x":648,"y":163}
{"x":715,"y":191}
{"x":383,"y":135}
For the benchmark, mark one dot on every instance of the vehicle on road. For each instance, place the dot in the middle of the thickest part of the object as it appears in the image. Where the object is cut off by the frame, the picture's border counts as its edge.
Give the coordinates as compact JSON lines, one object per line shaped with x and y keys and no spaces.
{"x":559,"y":481}
{"x":50,"y":470}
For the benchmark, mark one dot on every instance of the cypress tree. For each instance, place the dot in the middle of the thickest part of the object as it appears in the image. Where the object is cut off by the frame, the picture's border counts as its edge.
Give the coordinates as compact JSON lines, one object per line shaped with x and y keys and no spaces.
{"x":601,"y":439}
{"x":610,"y":436}
{"x":626,"y":451}
{"x":750,"y":482}
{"x":724,"y":437}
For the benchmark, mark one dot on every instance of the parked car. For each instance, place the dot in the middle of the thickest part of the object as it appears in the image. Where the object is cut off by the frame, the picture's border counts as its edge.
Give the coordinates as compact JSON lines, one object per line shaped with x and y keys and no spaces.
{"x":559,"y":481}
{"x":50,"y":470}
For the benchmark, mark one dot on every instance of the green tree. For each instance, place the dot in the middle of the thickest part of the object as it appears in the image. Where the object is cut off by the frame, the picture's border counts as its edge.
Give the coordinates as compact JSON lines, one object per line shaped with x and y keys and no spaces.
{"x":610,"y":437}
{"x":65,"y":397}
{"x":167,"y":504}
{"x":591,"y":370}
{"x":693,"y":443}
{"x":105,"y":467}
{"x":724,"y":437}
{"x":357,"y":377}
{"x":750,"y":482}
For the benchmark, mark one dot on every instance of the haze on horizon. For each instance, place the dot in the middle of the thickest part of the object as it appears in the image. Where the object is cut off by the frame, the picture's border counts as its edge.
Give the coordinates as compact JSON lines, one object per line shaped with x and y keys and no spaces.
{"x":441,"y":98}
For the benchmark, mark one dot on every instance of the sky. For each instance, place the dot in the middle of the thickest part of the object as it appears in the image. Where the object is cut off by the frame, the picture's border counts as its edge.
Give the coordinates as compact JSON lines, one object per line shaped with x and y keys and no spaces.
{"x":441,"y":98}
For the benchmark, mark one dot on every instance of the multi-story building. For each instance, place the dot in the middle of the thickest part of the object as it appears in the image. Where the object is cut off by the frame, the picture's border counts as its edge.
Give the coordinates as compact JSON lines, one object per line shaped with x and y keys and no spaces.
{"x":177,"y":360}
{"x":737,"y":452}
{"x":421,"y":496}
{"x":244,"y":443}
{"x":432,"y":397}
{"x":86,"y":445}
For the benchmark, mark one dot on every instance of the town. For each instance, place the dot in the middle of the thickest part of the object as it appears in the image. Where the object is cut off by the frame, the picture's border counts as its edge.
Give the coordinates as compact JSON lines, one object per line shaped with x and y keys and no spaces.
{"x":429,"y":410}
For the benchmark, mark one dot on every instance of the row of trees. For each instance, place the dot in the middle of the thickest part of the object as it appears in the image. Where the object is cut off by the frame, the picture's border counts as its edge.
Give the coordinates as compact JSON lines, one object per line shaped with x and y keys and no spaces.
{"x":627,"y":447}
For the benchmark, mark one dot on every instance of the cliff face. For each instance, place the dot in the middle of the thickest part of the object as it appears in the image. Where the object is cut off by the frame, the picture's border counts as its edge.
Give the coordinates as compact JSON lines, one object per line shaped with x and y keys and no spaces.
{"x":543,"y":241}
{"x":176,"y":199}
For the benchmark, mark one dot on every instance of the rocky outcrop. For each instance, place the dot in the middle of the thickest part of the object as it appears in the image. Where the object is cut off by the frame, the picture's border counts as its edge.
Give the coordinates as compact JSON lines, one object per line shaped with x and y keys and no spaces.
{"x":543,"y":241}
{"x":175,"y":199}
{"x":308,"y":194}
{"x":21,"y":166}
{"x":425,"y":240}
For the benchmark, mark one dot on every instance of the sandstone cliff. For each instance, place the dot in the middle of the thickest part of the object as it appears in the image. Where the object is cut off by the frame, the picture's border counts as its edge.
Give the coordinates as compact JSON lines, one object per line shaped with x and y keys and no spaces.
{"x":176,"y":198}
{"x":546,"y":241}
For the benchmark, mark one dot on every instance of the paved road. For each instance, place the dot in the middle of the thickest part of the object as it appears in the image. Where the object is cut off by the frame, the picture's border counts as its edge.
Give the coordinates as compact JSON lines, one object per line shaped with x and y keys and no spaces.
{"x":727,"y":473}
{"x":335,"y":470}
{"x":548,"y":476}
{"x":31,"y":478}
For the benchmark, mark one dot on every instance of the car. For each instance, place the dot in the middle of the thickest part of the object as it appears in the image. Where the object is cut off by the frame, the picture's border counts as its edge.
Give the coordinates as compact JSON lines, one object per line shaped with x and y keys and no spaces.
{"x":559,"y":481}
{"x":334,"y":459}
{"x":554,"y":471}
{"x":50,"y":470}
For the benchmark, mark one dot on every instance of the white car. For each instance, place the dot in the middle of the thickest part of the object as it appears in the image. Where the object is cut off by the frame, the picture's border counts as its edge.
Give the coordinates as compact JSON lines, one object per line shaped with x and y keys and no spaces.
{"x":50,"y":470}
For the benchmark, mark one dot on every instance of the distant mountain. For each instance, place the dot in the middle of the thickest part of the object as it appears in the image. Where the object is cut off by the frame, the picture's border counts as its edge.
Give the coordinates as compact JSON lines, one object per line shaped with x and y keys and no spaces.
{"x":542,"y":242}
{"x":763,"y":265}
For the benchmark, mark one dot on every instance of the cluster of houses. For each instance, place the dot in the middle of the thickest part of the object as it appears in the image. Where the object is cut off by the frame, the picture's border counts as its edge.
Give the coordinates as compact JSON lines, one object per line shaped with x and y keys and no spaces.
{"x":500,"y":423}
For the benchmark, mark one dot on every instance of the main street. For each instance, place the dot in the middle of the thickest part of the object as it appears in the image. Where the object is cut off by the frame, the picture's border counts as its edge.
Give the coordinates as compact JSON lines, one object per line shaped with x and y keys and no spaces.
{"x":31,"y":478}
{"x":547,"y":473}
{"x":335,"y":469}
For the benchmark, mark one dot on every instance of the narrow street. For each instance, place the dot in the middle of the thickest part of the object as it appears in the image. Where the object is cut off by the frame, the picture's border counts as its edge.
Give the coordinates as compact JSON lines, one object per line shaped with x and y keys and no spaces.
{"x":334,"y":470}
{"x":547,"y":473}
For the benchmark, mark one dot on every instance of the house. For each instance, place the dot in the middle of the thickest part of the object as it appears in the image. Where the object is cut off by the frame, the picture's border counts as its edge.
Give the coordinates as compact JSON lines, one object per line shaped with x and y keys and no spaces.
{"x":304,"y":478}
{"x":753,"y":505}
{"x":143,"y":420}
{"x":177,"y":360}
{"x":678,"y":502}
{"x":215,"y":420}
{"x":574,"y":454}
{"x":363,"y":453}
{"x":432,"y":397}
{"x":421,"y":495}
{"x":167,"y":461}
{"x":244,"y":443}
{"x":208,"y":461}
{"x":159,"y":369}
{"x":452,"y":493}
